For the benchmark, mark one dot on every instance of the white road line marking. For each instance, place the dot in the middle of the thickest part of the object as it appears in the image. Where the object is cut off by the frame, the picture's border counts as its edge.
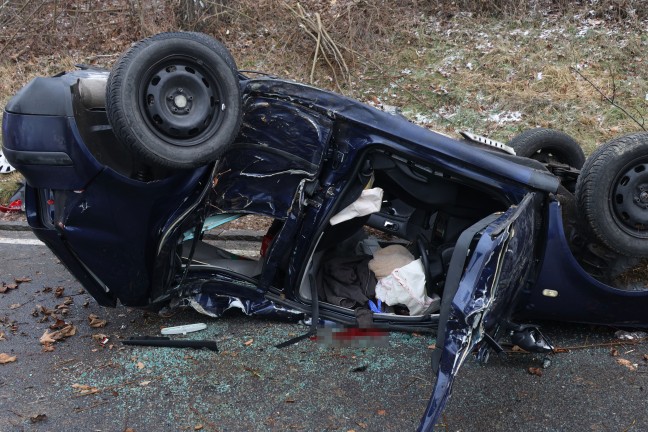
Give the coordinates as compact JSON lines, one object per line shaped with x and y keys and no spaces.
{"x":18,"y":241}
{"x":245,"y":253}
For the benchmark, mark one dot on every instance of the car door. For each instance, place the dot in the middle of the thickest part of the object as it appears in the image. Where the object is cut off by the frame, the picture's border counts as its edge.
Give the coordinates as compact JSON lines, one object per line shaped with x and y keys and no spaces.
{"x":271,"y":167}
{"x":492,"y":261}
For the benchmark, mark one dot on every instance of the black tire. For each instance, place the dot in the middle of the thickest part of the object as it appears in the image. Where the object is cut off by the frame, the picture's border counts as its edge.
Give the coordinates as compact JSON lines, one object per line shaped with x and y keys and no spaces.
{"x":548,"y":145}
{"x":174,"y":99}
{"x":612,"y":194}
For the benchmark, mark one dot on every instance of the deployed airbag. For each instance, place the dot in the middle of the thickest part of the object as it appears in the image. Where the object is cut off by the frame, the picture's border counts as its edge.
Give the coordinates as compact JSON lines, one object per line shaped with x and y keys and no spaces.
{"x":406,"y":286}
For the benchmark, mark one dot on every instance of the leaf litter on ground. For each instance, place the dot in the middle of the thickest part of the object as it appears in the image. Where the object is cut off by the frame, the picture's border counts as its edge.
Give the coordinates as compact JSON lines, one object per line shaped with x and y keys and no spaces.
{"x":95,"y":322}
{"x":6,"y":358}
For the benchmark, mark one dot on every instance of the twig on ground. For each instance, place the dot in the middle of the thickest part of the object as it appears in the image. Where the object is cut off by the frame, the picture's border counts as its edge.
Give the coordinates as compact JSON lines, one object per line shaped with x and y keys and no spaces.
{"x":610,"y":100}
{"x":94,"y":405}
{"x":324,"y":45}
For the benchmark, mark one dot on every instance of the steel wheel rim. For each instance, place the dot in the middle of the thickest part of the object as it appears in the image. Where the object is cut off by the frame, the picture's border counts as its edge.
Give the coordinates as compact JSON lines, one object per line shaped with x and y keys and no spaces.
{"x":181,"y":101}
{"x":629,"y":199}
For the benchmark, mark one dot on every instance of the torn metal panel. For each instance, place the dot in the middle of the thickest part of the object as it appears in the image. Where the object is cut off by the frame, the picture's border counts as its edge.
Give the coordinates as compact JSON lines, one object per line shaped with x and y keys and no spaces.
{"x":215,"y":305}
{"x":497,"y":269}
{"x":280,"y":145}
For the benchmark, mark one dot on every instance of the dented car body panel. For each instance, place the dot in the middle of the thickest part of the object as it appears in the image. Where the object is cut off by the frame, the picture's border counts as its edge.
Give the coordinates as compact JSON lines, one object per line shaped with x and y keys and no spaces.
{"x":502,"y":257}
{"x":490,"y":222}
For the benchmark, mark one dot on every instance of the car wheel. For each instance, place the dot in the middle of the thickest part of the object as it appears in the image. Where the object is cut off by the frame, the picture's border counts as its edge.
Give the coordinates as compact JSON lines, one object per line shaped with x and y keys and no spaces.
{"x":174,"y":99}
{"x":612,"y":194}
{"x":548,"y":145}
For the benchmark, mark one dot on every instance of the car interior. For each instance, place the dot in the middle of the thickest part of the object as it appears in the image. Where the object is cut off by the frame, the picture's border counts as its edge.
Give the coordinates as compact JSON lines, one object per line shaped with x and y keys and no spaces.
{"x":423,"y":212}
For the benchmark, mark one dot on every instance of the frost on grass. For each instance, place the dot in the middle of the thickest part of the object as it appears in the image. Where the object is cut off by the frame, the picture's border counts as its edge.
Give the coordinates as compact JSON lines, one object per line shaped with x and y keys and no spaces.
{"x":505,"y":117}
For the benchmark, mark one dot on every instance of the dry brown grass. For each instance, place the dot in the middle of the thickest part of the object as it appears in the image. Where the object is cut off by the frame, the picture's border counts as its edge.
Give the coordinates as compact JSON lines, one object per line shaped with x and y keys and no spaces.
{"x":453,"y":65}
{"x":9,"y":184}
{"x":492,"y":67}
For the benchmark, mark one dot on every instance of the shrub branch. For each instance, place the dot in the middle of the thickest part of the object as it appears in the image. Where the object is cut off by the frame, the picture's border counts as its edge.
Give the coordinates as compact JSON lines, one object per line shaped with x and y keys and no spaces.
{"x":609,"y":99}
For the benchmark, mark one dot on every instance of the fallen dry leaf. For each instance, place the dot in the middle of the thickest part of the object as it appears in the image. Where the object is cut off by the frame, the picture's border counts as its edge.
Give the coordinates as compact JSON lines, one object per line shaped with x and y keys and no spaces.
{"x":614,"y":352}
{"x":22,"y":280}
{"x":535,"y":371}
{"x":47,"y":338}
{"x":43,"y":310}
{"x":645,"y":357}
{"x":15,"y":306}
{"x":6,"y":287}
{"x":129,"y":430}
{"x":47,"y":289}
{"x":59,"y":324}
{"x":37,"y":418}
{"x":627,"y":363}
{"x":96,"y":322}
{"x":2,"y":335}
{"x":84,"y":389}
{"x":145,"y":383}
{"x":381,"y":412}
{"x":140,"y":365}
{"x":198,"y":427}
{"x":433,"y":346}
{"x":67,"y":331}
{"x":6,"y":358}
{"x":48,"y":347}
{"x":58,"y":292}
{"x":249,"y":342}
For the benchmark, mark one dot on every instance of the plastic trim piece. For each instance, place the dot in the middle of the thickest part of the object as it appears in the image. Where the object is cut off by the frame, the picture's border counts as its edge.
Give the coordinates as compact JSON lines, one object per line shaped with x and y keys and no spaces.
{"x":38,"y":157}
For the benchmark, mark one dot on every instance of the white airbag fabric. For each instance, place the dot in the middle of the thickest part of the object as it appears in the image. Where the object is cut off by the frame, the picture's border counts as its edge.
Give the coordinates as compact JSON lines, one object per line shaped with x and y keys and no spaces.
{"x":370,"y":201}
{"x":406,"y":286}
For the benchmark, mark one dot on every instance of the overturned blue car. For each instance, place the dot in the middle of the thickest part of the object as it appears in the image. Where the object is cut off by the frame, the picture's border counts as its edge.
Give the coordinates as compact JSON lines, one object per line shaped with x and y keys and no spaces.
{"x":372,"y":221}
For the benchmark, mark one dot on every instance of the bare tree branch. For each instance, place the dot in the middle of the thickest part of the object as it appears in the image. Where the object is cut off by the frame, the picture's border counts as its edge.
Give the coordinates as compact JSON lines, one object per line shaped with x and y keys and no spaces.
{"x":610,"y":99}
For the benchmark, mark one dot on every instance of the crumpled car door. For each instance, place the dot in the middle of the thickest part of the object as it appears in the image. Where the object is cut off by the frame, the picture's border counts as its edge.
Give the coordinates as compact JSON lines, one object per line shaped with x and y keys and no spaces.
{"x":492,"y":261}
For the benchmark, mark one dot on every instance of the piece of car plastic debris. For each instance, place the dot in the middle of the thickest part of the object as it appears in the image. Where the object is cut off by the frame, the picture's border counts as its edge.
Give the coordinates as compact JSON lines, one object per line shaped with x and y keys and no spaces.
{"x":530,"y":338}
{"x":16,"y":202}
{"x":487,"y":141}
{"x":183,"y":329}
{"x":546,"y":363}
{"x":626,"y":335}
{"x":5,"y":166}
{"x":368,"y":246}
{"x":166,"y":342}
{"x":13,"y":207}
{"x":370,"y":201}
{"x":375,"y":307}
{"x":212,"y":222}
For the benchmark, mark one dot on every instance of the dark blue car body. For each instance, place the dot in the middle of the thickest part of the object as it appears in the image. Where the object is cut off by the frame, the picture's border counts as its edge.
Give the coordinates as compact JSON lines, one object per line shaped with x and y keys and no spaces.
{"x":299,"y":158}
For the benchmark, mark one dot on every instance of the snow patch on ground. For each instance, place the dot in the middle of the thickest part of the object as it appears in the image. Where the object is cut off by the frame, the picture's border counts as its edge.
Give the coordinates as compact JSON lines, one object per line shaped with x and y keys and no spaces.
{"x":506,"y":117}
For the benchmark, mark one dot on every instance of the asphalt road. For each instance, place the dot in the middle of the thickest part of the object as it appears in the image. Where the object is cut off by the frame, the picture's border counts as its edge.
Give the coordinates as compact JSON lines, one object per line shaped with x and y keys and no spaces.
{"x":249,"y":385}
